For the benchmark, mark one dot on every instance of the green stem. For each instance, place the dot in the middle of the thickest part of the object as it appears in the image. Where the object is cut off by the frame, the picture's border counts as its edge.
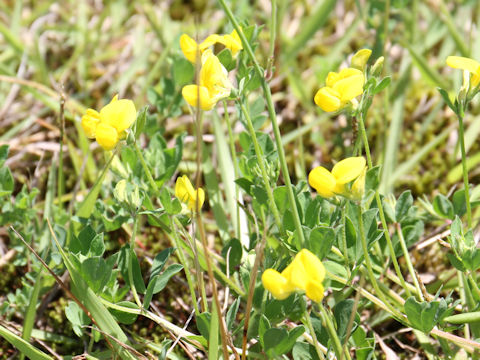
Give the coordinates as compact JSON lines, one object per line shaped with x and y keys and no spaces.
{"x":308,"y":322}
{"x":368,"y":263}
{"x":235,"y":165}
{"x":146,"y":169}
{"x":273,"y":30}
{"x":380,"y":207}
{"x":261,"y":163}
{"x":130,"y":262}
{"x":465,"y":318}
{"x":344,"y":242}
{"x":474,"y":284}
{"x":216,"y":269}
{"x":332,"y":332}
{"x":464,"y":169}
{"x":411,"y":270}
{"x":186,"y":268}
{"x":273,"y":119}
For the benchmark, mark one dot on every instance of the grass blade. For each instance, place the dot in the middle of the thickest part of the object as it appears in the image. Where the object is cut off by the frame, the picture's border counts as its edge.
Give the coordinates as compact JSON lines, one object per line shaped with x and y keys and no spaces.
{"x":24,"y":347}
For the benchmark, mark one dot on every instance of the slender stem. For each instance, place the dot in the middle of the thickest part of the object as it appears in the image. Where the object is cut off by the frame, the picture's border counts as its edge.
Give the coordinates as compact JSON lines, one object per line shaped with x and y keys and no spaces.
{"x":251,"y":288}
{"x":216,"y":269}
{"x":464,"y":302}
{"x":308,"y":322}
{"x":186,"y":268}
{"x":332,"y":332}
{"x":273,"y":29}
{"x":273,"y":119}
{"x":464,"y":169}
{"x":130,"y":262}
{"x":368,"y":263}
{"x":380,"y":207}
{"x":146,"y":169}
{"x":411,"y":270}
{"x":344,"y":241}
{"x":474,"y":284}
{"x":235,"y":165}
{"x":261,"y":163}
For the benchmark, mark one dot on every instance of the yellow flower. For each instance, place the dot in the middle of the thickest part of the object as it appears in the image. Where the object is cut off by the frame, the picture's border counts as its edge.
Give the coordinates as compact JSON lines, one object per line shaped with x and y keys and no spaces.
{"x":305,"y":273}
{"x":213,"y":84}
{"x":110,"y":124}
{"x":341,"y":88}
{"x":466,"y":64}
{"x":360,"y":59}
{"x":192,"y":50}
{"x":232,"y":42}
{"x":185,"y":192}
{"x":327,"y":183}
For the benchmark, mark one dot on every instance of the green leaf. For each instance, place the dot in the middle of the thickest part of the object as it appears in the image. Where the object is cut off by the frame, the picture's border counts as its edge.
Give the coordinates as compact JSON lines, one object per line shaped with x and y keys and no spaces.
{"x":3,"y":154}
{"x":404,"y":203}
{"x":126,"y":254}
{"x":23,"y":346}
{"x":225,"y":57}
{"x":459,"y":204}
{"x":160,"y":260}
{"x":447,"y":100}
{"x":183,"y":71}
{"x":96,"y":272}
{"x":372,"y":178}
{"x":443,"y":207}
{"x":382,"y":85}
{"x":6,"y":181}
{"x":140,"y":123}
{"x":272,"y":338}
{"x":77,"y":317}
{"x":423,"y":316}
{"x":233,"y":248}
{"x":342,"y":312}
{"x":203,"y":324}
{"x":232,"y":314}
{"x":125,"y":317}
{"x":321,"y":240}
{"x":162,"y":279}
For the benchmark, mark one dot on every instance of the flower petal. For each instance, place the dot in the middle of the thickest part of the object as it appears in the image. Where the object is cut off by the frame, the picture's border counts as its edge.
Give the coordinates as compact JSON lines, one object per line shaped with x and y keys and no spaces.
{"x":350,"y":87}
{"x":120,"y":114}
{"x":328,"y":99}
{"x":348,"y":169}
{"x":274,"y":282}
{"x":322,"y":181}
{"x":189,"y":48}
{"x":312,"y":265}
{"x":89,"y":122}
{"x":360,"y":59}
{"x":106,"y":135}
{"x":464,"y":63}
{"x":192,"y":92}
{"x":314,"y":290}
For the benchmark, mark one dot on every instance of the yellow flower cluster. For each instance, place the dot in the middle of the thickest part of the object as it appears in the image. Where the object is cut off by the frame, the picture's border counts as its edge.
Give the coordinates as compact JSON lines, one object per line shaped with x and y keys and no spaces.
{"x":328,"y":184}
{"x":185,"y":192}
{"x":213,"y":84}
{"x":343,"y":87}
{"x":193,"y":51}
{"x":109,"y":125}
{"x":305,"y":273}
{"x":469,"y":66}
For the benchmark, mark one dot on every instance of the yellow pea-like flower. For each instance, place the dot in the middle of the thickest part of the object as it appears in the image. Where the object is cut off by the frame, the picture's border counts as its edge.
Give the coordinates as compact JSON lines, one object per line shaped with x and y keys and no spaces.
{"x":466,"y":64}
{"x":360,"y":59}
{"x":185,"y":192}
{"x":213,"y":84}
{"x":89,"y":122}
{"x":110,"y":124}
{"x":341,"y":88}
{"x":327,"y":183}
{"x":305,"y":273}
{"x":232,"y":42}
{"x":348,"y":169}
{"x":277,"y":284}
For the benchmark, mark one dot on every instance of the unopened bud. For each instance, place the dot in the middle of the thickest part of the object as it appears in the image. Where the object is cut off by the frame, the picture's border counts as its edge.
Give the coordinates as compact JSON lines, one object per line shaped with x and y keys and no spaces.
{"x":378,"y":66}
{"x":360,"y":59}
